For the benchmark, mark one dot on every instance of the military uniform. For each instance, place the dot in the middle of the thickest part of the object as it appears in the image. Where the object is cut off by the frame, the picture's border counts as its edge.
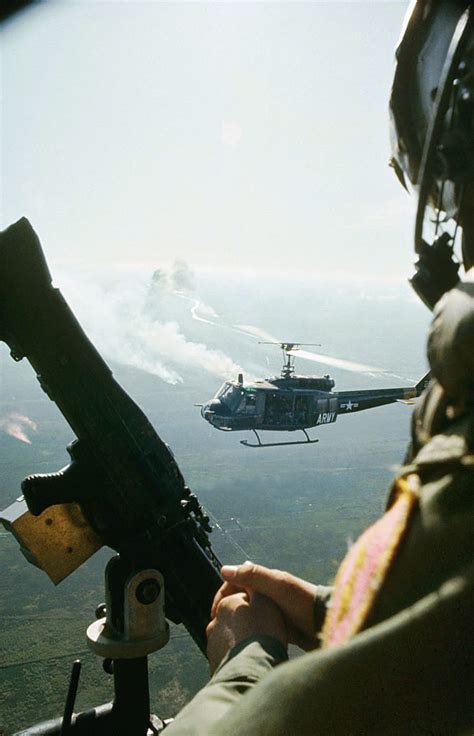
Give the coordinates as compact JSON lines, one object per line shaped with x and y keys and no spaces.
{"x":397,"y":644}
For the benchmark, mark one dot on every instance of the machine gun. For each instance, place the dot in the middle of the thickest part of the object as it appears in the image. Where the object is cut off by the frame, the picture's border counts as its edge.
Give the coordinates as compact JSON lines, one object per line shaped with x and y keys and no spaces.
{"x":122,"y":488}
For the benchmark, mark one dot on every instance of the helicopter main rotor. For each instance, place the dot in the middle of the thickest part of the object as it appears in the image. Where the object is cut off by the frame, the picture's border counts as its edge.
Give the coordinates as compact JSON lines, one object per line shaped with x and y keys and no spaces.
{"x":287,"y":348}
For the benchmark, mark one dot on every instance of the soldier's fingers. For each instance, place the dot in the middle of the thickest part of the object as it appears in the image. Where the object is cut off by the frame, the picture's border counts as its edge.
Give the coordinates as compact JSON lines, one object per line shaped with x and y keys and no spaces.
{"x":225,"y":590}
{"x":255,"y":577}
{"x":210,"y":627}
{"x":296,"y":636}
{"x":229,"y":605}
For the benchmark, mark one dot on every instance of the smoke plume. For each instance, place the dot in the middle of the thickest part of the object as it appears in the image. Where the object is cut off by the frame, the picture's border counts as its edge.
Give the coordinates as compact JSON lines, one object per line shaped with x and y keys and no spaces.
{"x":132,"y":320}
{"x":17,"y":425}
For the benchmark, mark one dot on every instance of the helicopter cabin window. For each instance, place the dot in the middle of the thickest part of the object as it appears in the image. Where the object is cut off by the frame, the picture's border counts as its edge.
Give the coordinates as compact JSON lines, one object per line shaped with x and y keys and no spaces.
{"x":323,"y":405}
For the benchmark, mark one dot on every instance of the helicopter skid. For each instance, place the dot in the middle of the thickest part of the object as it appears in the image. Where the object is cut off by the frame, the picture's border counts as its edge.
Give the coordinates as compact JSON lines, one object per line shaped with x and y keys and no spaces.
{"x":307,"y":441}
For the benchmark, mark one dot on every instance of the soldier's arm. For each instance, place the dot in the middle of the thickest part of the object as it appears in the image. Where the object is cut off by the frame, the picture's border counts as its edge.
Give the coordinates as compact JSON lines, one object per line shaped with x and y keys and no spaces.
{"x":412,"y":674}
{"x":243,"y":667}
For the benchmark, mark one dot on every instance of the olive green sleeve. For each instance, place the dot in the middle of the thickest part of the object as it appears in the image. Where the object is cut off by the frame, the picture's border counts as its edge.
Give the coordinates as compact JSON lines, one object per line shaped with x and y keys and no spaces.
{"x":239,"y":671}
{"x":412,"y":674}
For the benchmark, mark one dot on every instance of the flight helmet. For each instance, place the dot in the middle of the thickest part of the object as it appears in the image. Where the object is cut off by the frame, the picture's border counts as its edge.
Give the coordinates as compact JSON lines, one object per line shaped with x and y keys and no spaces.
{"x":432,"y":132}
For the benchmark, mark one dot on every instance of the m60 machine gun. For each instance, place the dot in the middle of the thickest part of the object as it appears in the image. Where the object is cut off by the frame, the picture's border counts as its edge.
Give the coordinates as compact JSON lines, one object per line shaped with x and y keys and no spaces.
{"x":122,"y":488}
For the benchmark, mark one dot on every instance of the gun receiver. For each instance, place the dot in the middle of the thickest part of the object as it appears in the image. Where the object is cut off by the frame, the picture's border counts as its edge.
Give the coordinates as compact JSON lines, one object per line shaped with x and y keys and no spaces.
{"x":123,"y":487}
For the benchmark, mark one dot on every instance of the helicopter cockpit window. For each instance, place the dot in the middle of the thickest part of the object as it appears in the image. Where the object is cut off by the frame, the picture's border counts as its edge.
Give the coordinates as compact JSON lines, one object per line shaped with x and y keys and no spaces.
{"x":230,"y":395}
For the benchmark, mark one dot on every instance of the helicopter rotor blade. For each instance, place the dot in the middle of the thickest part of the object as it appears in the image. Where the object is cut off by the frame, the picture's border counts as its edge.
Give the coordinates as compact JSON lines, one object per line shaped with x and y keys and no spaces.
{"x":347,"y":365}
{"x":287,"y":345}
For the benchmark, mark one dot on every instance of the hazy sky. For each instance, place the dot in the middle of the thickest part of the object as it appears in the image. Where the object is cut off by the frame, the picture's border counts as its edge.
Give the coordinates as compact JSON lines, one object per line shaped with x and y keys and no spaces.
{"x":230,"y":134}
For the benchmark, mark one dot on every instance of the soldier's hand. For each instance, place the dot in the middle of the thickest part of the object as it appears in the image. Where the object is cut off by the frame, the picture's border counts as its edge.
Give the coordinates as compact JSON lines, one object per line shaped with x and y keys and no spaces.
{"x":240,"y":616}
{"x":294,"y":597}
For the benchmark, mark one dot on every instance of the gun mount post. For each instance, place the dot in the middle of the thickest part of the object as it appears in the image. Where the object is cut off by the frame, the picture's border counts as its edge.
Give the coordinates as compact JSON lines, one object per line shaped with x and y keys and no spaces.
{"x":133,"y":627}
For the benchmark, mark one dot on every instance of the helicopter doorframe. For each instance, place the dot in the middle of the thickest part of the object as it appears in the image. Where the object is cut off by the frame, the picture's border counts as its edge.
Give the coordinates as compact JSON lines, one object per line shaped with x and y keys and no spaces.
{"x":307,"y":441}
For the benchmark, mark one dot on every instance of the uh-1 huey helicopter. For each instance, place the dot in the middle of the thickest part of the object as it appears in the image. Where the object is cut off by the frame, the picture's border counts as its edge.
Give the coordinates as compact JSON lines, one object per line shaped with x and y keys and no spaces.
{"x":291,"y":402}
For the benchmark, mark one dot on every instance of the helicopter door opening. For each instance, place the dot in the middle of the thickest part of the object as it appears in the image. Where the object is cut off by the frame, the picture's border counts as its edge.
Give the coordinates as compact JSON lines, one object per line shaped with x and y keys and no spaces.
{"x":278,"y":409}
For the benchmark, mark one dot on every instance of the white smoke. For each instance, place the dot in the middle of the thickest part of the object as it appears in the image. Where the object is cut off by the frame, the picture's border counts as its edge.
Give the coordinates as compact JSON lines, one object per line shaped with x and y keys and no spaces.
{"x":182,"y":277}
{"x":17,"y":425}
{"x":118,"y":314}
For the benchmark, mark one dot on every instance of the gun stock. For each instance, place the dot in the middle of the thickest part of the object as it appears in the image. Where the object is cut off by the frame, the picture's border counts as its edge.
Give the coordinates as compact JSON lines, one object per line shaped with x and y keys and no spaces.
{"x":122,"y":475}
